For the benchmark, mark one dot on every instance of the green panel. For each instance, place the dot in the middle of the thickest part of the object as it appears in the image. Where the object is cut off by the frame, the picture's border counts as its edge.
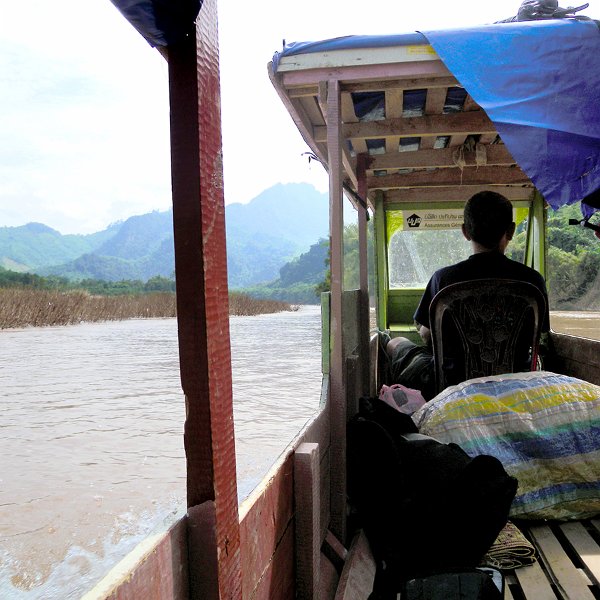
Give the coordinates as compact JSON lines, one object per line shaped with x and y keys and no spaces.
{"x":325,"y":335}
{"x":381,"y":252}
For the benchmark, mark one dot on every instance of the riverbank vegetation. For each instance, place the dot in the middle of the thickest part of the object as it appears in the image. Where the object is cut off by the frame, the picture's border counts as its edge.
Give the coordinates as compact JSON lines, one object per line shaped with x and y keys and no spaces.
{"x":41,"y":304}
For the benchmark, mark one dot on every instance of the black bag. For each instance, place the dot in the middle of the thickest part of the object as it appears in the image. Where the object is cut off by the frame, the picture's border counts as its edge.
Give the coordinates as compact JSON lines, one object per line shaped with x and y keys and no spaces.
{"x":426,"y":507}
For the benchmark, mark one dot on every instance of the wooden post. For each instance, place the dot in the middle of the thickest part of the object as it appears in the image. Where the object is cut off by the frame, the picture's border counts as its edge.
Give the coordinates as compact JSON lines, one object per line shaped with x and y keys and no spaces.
{"x":202,"y":307}
{"x":307,"y":494}
{"x":361,"y":173}
{"x":337,"y":385}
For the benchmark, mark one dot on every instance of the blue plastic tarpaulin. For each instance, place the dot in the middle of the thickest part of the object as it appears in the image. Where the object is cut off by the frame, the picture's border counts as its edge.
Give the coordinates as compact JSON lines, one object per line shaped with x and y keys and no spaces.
{"x":539,"y":82}
{"x":161,"y":22}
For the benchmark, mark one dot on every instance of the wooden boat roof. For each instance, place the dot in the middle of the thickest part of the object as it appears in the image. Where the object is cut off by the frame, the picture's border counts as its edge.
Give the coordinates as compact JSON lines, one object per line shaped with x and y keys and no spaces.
{"x":409,"y":121}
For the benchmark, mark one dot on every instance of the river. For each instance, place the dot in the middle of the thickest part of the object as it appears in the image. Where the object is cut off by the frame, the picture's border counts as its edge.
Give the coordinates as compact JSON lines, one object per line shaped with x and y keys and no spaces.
{"x":91,"y":446}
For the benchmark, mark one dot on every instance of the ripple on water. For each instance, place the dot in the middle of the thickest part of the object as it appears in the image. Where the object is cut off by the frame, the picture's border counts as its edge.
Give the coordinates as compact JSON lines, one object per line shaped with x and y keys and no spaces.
{"x":91,"y":450}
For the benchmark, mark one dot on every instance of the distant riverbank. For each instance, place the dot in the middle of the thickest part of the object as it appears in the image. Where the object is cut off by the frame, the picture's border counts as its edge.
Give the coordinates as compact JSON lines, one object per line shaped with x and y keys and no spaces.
{"x":38,"y":308}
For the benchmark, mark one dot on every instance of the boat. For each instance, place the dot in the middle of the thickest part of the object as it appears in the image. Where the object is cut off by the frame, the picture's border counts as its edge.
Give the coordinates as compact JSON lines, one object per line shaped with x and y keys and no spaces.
{"x":407,"y":135}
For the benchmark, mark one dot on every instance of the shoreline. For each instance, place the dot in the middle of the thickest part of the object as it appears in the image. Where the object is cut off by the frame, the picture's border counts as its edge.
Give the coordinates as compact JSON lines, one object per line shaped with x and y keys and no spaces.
{"x":20,"y":307}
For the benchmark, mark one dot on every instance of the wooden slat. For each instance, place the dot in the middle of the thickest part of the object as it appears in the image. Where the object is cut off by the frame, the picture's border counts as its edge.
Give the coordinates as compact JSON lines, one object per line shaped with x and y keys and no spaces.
{"x":449,"y":177}
{"x":358,"y":574}
{"x":563,"y":572}
{"x":349,"y":116}
{"x":429,"y":83}
{"x":534,"y":583}
{"x":497,"y":155}
{"x":277,"y":580}
{"x":585,"y":546}
{"x":265,"y":518}
{"x":308,"y":527}
{"x":312,"y":110}
{"x":451,"y":124}
{"x":394,"y":99}
{"x":436,"y":97}
{"x":455,"y":194}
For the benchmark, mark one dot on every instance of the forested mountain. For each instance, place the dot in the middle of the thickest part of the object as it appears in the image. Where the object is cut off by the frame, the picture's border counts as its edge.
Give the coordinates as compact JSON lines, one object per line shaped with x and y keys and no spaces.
{"x":262,"y":236}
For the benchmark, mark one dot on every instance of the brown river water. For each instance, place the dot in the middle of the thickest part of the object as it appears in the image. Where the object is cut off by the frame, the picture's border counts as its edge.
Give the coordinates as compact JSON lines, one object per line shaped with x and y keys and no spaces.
{"x":91,"y":446}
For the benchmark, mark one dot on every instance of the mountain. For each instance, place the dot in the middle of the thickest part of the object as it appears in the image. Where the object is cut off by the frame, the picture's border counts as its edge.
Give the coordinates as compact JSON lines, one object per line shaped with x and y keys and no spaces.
{"x":263,"y":235}
{"x":34,"y":246}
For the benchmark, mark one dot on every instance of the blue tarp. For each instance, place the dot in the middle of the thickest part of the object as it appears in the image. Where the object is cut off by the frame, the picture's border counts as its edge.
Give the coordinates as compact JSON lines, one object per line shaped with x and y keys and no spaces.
{"x":538,"y":81}
{"x":161,"y":22}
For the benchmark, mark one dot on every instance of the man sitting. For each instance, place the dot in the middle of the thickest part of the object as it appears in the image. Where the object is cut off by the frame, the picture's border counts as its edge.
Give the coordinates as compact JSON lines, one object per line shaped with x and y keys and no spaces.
{"x":489,"y":226}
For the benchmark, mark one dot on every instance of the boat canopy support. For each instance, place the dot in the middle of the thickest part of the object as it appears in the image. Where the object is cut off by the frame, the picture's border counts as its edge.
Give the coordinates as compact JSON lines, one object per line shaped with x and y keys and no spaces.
{"x":203,"y":311}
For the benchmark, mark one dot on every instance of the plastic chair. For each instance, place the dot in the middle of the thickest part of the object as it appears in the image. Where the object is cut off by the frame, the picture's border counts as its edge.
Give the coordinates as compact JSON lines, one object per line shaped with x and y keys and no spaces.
{"x":495,"y":322}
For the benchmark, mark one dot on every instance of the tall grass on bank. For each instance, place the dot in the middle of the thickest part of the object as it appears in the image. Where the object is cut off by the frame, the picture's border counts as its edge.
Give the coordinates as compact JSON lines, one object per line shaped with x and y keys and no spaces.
{"x":26,"y":307}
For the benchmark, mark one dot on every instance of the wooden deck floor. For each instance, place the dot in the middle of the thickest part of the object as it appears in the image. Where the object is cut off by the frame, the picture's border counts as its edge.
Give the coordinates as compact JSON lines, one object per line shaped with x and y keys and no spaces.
{"x":568,"y":565}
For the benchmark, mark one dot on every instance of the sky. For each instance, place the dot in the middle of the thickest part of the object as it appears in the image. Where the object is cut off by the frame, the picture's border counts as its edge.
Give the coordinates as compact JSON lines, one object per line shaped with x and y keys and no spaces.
{"x":84,"y":138}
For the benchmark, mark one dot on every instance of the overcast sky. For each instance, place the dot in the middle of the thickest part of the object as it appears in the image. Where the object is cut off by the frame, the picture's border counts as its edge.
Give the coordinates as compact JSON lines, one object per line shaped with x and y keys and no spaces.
{"x":84,"y":135}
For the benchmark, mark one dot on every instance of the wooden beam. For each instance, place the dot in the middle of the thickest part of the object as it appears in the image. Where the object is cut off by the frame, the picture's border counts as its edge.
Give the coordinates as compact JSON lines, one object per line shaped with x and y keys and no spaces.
{"x":337,"y":385}
{"x":349,"y":116}
{"x":497,"y":155}
{"x":454,"y":194}
{"x":444,"y":177}
{"x":202,"y":295}
{"x":436,"y":98}
{"x":423,"y":72}
{"x":450,"y":124}
{"x":429,"y":83}
{"x":308,"y":527}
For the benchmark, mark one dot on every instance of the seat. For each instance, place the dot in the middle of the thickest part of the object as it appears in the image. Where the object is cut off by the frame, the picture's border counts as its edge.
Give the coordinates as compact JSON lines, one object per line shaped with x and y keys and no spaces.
{"x":493,"y":324}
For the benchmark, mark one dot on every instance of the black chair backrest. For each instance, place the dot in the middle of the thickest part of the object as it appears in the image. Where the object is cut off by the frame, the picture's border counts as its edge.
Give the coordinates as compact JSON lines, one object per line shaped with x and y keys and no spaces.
{"x":485,"y":321}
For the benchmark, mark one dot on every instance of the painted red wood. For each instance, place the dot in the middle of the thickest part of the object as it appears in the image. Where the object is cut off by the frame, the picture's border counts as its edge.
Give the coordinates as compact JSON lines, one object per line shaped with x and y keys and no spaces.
{"x":202,"y":295}
{"x":264,"y":526}
{"x":162,"y":574}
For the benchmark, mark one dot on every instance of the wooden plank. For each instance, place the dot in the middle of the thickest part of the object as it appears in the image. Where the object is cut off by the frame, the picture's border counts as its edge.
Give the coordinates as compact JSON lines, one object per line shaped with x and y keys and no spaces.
{"x":156,"y":568}
{"x":312,"y":110}
{"x":449,"y":177}
{"x":202,"y":295}
{"x":450,"y":124}
{"x":497,"y":155}
{"x":403,"y":83}
{"x":308,"y":527}
{"x":337,"y":385}
{"x":436,"y":98}
{"x":562,"y":571}
{"x":534,"y":584}
{"x":349,"y":116}
{"x":394,"y":99}
{"x":455,"y":194}
{"x":277,"y":580}
{"x":358,"y":574}
{"x":507,"y":592}
{"x":585,"y":546}
{"x":265,"y":518}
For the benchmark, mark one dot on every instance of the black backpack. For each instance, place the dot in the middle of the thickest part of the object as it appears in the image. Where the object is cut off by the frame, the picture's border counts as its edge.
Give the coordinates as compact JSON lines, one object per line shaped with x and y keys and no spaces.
{"x":426,"y":507}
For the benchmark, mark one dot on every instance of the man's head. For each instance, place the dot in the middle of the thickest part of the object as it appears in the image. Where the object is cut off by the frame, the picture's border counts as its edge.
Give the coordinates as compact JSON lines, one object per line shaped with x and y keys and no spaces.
{"x":488,"y":220}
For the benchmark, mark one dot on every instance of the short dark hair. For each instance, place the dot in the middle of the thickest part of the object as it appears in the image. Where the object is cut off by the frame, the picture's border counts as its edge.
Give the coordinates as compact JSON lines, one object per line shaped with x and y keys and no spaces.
{"x":488,"y":216}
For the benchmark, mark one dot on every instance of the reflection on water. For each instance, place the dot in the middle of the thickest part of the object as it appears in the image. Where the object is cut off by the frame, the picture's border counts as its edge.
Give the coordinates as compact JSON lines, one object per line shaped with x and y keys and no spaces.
{"x":91,"y":447}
